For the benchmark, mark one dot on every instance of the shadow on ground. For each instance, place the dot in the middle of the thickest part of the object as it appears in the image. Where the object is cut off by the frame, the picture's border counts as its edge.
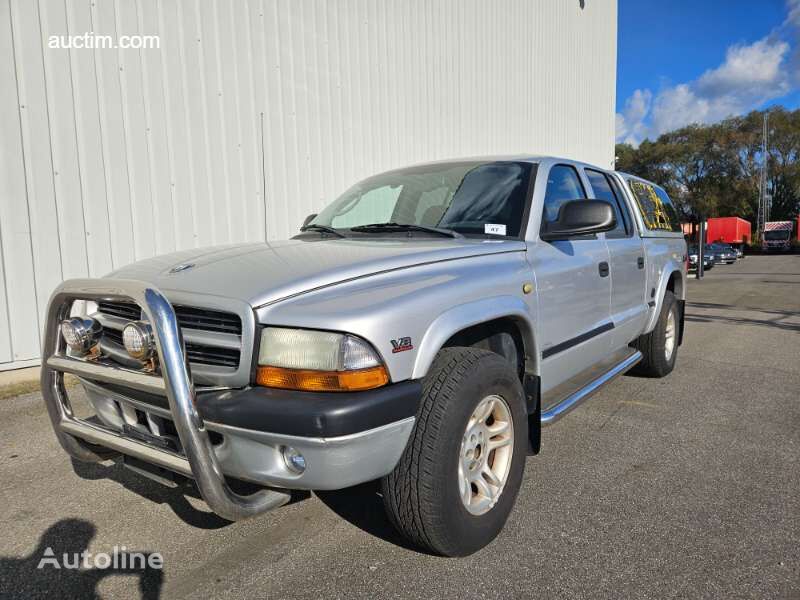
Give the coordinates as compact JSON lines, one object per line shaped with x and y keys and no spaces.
{"x":362,"y":506}
{"x":772,"y":318}
{"x":738,"y":273}
{"x":37,"y":576}
{"x":175,"y":498}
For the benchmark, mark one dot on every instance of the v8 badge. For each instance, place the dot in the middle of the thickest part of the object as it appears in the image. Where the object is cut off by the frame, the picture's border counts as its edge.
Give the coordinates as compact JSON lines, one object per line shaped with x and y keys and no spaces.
{"x":401,"y":345}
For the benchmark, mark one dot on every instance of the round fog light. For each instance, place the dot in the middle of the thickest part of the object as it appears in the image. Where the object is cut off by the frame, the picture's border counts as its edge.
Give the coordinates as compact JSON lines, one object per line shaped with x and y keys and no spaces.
{"x":137,"y":337}
{"x":81,"y":334}
{"x":295,"y":461}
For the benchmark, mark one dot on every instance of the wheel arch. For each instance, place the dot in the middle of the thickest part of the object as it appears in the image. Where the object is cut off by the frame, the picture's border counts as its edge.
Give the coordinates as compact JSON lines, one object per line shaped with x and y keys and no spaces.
{"x":675,"y":284}
{"x":672,"y":279}
{"x":498,"y":314}
{"x":482,"y":321}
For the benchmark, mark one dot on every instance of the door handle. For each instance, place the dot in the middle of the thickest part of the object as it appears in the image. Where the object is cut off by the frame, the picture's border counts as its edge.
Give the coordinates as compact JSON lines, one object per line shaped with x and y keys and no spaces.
{"x":640,"y":262}
{"x":603,"y":268}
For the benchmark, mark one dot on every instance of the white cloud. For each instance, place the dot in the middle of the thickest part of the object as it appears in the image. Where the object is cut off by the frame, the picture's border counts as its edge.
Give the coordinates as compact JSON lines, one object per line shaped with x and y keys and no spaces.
{"x":746,"y":70}
{"x":630,"y":124}
{"x":678,"y":106}
{"x":750,"y":76}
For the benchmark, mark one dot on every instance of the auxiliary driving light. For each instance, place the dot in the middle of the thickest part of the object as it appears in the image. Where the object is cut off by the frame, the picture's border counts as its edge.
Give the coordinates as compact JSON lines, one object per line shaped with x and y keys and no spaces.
{"x":295,"y":461}
{"x":137,"y":337}
{"x":81,"y":333}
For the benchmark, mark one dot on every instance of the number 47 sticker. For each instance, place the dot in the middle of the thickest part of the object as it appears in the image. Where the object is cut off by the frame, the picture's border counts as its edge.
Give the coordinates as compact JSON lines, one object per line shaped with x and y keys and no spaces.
{"x":494,"y":228}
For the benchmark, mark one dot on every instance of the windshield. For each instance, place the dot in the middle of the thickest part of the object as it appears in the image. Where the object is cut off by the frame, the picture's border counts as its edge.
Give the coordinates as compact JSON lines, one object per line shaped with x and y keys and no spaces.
{"x":779,"y":235}
{"x":467,"y":197}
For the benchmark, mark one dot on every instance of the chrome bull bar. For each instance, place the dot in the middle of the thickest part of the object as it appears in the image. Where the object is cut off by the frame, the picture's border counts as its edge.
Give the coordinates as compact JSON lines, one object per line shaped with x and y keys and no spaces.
{"x":88,"y":442}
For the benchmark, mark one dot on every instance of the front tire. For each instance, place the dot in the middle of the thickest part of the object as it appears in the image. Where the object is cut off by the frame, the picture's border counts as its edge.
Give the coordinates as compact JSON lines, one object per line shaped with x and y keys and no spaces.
{"x":659,"y":348}
{"x":458,"y":478}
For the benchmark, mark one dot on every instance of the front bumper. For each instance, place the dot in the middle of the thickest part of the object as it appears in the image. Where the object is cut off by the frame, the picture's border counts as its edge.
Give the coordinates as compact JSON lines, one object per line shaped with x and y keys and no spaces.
{"x":241,"y":449}
{"x":345,"y":438}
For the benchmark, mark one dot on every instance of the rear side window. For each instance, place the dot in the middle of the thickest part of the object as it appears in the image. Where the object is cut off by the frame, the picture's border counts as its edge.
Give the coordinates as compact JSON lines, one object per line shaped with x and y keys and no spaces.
{"x":563,"y":185}
{"x":658,"y":212}
{"x":603,"y":190}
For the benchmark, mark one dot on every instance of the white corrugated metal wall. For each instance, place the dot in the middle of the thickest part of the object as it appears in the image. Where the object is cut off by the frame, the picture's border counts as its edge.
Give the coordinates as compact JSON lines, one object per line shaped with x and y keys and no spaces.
{"x":112,"y":155}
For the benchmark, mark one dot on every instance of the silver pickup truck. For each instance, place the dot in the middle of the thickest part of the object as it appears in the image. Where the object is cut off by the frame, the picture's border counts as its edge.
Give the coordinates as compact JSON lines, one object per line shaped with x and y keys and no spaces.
{"x":419,"y":331}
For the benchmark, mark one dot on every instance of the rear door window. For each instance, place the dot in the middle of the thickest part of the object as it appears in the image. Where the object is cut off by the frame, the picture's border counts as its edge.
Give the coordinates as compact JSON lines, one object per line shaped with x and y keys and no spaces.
{"x":603,"y":190}
{"x":658,"y":212}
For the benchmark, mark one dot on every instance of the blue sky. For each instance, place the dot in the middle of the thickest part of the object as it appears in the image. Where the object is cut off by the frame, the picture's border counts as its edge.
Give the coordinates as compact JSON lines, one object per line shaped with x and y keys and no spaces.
{"x":682,"y":61}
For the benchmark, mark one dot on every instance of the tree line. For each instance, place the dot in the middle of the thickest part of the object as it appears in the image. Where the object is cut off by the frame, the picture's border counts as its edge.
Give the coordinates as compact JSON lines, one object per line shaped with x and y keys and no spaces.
{"x":715,"y":170}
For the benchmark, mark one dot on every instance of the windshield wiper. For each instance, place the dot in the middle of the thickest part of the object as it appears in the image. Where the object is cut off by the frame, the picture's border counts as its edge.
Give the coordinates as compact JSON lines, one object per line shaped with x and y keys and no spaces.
{"x":406,"y":227}
{"x":322,"y":229}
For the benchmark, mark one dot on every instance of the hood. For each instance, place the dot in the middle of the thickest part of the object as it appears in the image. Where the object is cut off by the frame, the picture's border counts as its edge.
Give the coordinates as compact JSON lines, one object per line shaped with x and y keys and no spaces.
{"x":262,"y":273}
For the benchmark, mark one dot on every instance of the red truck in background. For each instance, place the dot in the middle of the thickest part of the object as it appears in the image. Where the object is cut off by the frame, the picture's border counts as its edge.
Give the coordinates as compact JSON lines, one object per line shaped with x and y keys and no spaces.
{"x":730,"y":230}
{"x":777,"y":236}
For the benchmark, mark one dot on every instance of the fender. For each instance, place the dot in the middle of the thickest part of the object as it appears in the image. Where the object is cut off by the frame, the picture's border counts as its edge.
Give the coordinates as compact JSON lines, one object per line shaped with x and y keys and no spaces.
{"x":450,"y":322}
{"x":655,"y":310}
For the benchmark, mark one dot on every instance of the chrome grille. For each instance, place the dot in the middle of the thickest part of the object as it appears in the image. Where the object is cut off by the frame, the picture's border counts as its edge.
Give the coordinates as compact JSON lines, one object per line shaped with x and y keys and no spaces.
{"x":197,"y":353}
{"x":188,"y":316}
{"x":211,"y":337}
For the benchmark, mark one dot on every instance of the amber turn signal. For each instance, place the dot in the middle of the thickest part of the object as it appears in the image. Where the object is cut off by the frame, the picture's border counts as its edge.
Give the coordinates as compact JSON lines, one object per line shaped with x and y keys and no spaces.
{"x":322,"y":381}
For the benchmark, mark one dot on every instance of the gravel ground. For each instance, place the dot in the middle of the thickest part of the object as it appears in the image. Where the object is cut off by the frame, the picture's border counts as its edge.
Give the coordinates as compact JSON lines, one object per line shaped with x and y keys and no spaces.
{"x":687,"y":486}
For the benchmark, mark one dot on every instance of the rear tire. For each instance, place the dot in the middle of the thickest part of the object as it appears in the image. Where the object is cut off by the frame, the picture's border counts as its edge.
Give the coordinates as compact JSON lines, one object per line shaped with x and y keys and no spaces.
{"x":427,"y":497}
{"x":659,"y":348}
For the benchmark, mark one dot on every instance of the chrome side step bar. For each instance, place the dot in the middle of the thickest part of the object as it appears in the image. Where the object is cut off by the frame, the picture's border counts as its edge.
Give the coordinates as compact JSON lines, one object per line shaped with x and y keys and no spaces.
{"x":553,"y":414}
{"x":88,"y":443}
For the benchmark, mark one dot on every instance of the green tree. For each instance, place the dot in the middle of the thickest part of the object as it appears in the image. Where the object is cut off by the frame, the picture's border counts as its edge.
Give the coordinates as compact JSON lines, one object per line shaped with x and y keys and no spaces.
{"x":714,"y":170}
{"x":783,"y":168}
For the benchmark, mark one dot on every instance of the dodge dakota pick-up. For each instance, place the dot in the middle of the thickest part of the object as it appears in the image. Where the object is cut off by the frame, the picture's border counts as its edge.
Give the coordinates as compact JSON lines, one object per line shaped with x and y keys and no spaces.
{"x":420,"y":331}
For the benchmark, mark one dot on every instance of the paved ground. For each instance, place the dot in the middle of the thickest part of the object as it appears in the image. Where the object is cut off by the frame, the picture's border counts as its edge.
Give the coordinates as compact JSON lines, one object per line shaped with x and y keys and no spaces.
{"x":683,"y":487}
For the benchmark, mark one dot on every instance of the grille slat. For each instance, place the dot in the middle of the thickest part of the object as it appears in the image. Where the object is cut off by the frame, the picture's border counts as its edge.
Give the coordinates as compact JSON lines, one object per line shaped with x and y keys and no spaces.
{"x":208,"y":320}
{"x":113,"y":335}
{"x":120,"y":309}
{"x":188,"y":318}
{"x":206,"y":355}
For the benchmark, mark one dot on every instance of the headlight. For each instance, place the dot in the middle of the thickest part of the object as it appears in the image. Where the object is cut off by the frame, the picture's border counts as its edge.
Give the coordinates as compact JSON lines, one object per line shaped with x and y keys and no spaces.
{"x":301,"y":359}
{"x":137,"y":337}
{"x":81,"y":333}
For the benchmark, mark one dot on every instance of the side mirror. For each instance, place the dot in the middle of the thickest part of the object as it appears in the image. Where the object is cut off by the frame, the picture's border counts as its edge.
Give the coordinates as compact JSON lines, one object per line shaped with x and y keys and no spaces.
{"x":308,"y":220}
{"x":580,"y":217}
